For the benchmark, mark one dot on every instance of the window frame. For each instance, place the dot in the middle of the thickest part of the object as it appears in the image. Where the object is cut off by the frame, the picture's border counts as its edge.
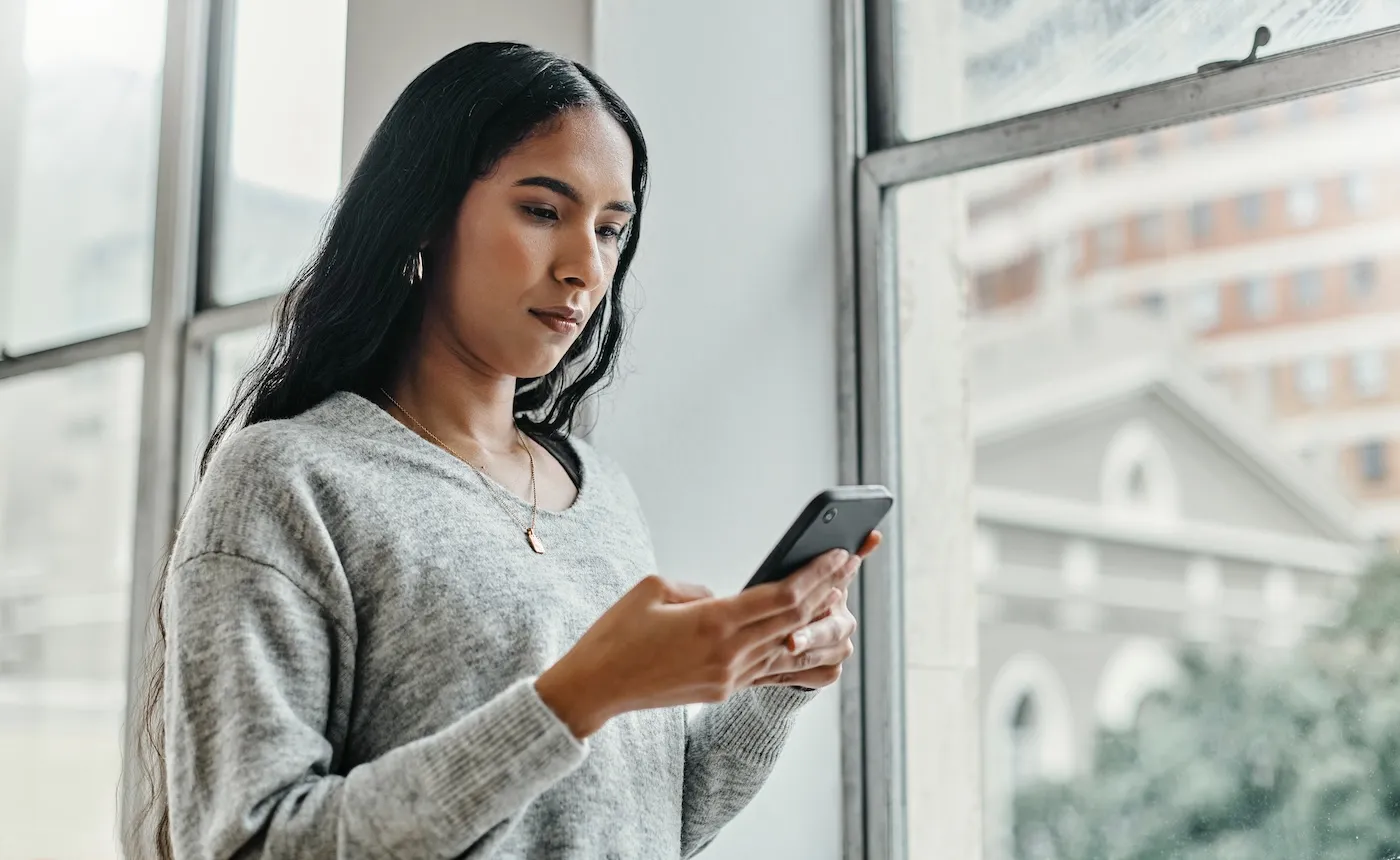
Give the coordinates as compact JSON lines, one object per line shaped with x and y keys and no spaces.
{"x":879,"y":802}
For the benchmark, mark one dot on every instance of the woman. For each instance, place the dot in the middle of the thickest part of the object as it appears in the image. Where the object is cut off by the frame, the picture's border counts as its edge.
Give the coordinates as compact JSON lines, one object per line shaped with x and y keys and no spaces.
{"x":370,"y":593}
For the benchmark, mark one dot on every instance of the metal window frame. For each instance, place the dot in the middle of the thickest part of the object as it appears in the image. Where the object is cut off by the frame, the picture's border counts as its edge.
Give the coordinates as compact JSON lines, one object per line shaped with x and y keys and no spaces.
{"x":873,"y":708}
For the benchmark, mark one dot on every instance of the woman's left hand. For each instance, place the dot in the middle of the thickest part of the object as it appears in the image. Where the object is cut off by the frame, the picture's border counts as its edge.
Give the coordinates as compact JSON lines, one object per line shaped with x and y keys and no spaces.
{"x":815,"y":653}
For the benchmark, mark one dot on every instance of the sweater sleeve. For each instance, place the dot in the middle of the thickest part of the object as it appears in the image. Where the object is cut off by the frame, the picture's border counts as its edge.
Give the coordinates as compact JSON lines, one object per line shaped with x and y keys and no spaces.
{"x":253,"y":663}
{"x":730,"y":748}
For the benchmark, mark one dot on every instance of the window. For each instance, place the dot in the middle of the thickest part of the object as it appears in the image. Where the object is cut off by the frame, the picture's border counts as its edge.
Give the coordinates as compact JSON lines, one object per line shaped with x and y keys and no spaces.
{"x":1351,"y":100}
{"x":1109,"y":239}
{"x":1025,"y":743}
{"x":1202,"y":219}
{"x":1196,"y":133}
{"x":1251,"y":210}
{"x":1369,"y":373}
{"x":1014,"y":60}
{"x":1361,"y":278}
{"x":1043,"y":396}
{"x":78,"y":148}
{"x":1307,"y":289}
{"x":1373,"y":461}
{"x":1149,"y":146}
{"x":1357,"y":189}
{"x":1104,"y":157}
{"x":1314,"y":379}
{"x":1304,"y":205}
{"x":1259,"y":300}
{"x":1203,"y":308}
{"x":1152,"y":230}
{"x":280,"y":167}
{"x":66,"y":522}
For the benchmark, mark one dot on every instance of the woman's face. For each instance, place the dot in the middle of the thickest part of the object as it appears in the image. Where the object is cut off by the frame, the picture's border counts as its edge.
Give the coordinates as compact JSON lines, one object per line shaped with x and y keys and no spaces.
{"x":534,"y":248}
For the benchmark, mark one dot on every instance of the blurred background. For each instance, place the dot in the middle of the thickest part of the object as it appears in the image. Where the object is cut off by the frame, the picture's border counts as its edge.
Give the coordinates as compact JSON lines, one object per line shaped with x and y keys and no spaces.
{"x":1139,"y":600}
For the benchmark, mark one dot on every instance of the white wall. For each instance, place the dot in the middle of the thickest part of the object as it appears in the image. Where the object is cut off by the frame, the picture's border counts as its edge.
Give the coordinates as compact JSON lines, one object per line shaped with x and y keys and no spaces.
{"x":725,"y":419}
{"x":388,"y":42}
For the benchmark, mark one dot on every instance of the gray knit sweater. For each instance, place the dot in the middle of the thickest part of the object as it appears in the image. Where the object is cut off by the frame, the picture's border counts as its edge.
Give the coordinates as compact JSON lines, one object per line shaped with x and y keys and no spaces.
{"x":354,"y":630}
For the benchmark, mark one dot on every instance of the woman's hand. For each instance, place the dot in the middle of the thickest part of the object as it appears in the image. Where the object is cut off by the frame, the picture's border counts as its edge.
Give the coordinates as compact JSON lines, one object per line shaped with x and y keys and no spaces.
{"x":815,"y":653}
{"x":666,"y":644}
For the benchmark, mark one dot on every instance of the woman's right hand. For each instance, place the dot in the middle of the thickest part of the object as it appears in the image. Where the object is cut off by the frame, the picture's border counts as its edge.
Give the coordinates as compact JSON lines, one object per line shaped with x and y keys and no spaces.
{"x":665,"y":644}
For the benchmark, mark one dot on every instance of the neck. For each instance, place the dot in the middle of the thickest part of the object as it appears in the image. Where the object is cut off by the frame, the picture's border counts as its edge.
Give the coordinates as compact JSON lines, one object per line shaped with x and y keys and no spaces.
{"x":463,"y":405}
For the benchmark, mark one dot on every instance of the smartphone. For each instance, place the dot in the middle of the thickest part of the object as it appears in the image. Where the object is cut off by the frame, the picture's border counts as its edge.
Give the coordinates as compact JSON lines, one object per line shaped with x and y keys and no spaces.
{"x":838,"y":518}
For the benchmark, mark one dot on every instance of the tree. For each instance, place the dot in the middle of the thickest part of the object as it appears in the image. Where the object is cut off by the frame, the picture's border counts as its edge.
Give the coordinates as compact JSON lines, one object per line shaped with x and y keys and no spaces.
{"x":1248,"y":759}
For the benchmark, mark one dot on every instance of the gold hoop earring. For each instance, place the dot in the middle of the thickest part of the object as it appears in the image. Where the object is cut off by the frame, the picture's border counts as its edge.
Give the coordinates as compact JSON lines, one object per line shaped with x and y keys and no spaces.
{"x":414,"y":270}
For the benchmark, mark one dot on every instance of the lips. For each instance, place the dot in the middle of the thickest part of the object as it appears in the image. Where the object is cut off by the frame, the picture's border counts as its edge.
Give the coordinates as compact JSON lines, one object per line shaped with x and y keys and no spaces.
{"x":562,"y":320}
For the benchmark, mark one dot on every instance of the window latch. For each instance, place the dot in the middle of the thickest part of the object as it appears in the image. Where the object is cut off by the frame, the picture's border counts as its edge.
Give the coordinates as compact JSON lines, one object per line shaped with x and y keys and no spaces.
{"x":1261,"y":38}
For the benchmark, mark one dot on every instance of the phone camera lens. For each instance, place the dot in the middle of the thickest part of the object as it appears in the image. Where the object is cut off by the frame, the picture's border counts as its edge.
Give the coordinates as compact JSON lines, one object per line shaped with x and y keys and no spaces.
{"x":829,"y":516}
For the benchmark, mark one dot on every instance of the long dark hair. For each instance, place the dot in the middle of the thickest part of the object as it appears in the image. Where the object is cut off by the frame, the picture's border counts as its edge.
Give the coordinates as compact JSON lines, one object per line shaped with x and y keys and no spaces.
{"x":351,"y":314}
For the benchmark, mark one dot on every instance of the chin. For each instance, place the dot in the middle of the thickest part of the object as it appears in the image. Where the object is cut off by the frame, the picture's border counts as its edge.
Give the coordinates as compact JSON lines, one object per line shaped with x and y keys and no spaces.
{"x":539,"y":365}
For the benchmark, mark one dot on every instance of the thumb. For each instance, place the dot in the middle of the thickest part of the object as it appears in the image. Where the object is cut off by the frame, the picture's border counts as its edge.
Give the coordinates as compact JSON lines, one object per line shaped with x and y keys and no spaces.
{"x":685,"y":592}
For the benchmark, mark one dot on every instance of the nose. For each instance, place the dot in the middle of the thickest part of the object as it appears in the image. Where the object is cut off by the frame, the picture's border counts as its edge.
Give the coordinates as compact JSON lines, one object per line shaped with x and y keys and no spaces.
{"x":579,"y":261}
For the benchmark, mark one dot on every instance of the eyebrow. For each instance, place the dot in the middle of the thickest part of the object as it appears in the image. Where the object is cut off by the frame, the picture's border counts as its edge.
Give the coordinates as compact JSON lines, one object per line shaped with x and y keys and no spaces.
{"x":564,"y":189}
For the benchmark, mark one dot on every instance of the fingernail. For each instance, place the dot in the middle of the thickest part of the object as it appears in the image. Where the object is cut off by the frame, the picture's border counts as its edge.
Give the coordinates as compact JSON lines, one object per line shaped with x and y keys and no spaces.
{"x":800,"y":640}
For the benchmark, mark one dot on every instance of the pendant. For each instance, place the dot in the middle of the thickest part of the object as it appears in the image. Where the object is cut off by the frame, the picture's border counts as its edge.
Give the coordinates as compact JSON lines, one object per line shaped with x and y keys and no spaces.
{"x":534,"y":540}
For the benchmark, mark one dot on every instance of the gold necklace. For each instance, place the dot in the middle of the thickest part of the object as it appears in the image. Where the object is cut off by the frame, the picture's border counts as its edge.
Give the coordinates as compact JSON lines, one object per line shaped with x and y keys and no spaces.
{"x":530,"y":535}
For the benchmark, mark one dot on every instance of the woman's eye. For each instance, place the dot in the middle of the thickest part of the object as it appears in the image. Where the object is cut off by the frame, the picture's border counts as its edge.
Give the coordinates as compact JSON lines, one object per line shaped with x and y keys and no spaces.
{"x":609,"y":232}
{"x":542,"y":213}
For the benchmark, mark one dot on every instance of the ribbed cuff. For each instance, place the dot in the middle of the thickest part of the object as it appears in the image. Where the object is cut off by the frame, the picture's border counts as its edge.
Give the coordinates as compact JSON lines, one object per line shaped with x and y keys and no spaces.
{"x":756,"y":723}
{"x":504,"y":754}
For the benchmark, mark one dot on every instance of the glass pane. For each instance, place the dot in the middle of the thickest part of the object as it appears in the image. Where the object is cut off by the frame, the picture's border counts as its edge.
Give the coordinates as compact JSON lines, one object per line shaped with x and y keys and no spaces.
{"x":968,"y":62}
{"x":233,"y":356}
{"x":281,"y":164}
{"x":79,"y":122}
{"x":1183,"y":568}
{"x":68,"y":442}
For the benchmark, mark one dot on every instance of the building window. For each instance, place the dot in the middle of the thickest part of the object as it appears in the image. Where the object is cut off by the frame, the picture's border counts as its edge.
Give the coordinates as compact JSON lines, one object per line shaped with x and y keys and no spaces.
{"x":1247,"y":123}
{"x":1350,"y":100}
{"x":1251,"y":210}
{"x":1313,"y":379}
{"x":1152,"y":230}
{"x":1202,"y":221}
{"x":1304,"y":205}
{"x":1374,"y":468}
{"x":1361,"y":278}
{"x":1358,"y":192}
{"x":1109,"y":239}
{"x":1369,"y":373}
{"x":1307,"y":289}
{"x":1203,"y":310}
{"x":1148,"y":145}
{"x":1025,"y":743}
{"x":1259,"y":300}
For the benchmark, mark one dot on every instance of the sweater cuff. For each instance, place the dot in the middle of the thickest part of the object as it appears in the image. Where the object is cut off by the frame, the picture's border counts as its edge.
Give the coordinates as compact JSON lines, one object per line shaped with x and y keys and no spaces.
{"x":505,"y":754}
{"x":758,"y":720}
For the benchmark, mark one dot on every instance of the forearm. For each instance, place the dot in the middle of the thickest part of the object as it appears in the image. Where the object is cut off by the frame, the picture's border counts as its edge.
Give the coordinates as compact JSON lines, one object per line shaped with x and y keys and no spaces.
{"x":253,"y":773}
{"x":729,"y":752}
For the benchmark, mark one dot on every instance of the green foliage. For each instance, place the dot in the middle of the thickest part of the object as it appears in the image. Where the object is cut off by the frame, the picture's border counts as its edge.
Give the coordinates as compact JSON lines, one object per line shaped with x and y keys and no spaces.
{"x":1248,"y":758}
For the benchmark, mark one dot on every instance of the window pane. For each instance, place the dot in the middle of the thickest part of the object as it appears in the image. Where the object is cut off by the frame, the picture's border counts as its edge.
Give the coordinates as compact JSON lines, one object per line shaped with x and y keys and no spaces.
{"x":79,"y":118}
{"x":1138,"y":442}
{"x":233,"y":356}
{"x":968,"y":62}
{"x":68,"y":443}
{"x":281,"y":165}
